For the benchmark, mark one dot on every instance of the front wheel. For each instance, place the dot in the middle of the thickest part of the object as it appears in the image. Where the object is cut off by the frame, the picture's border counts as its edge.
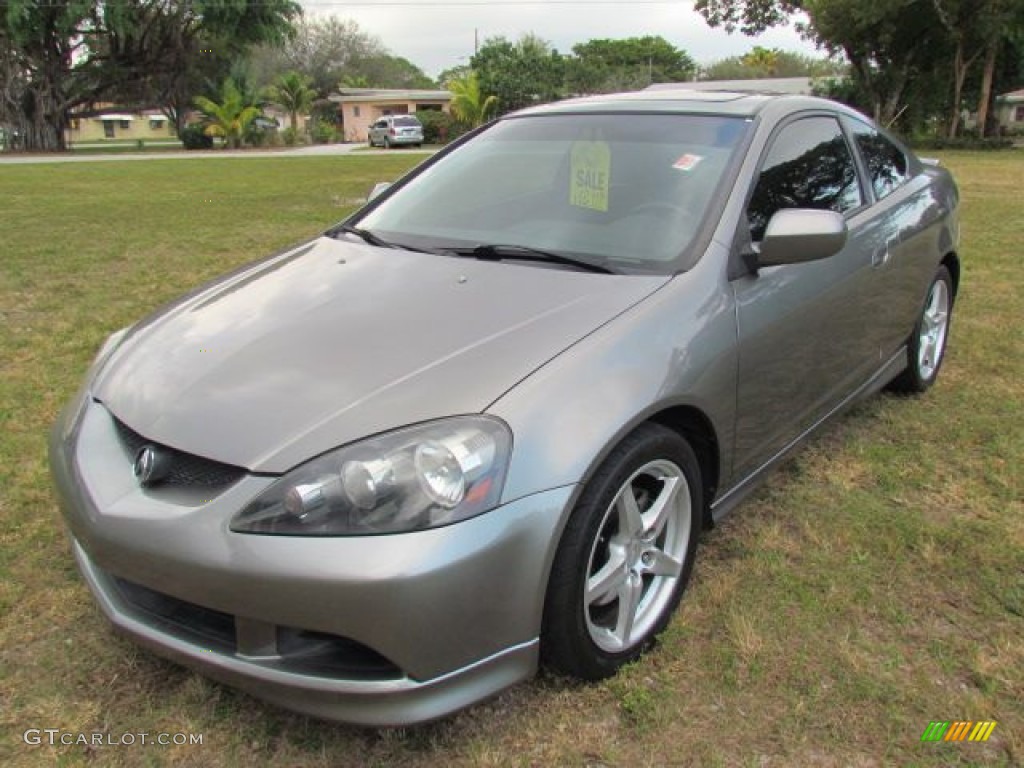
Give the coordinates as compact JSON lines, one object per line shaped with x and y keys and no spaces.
{"x":927,"y":344}
{"x":625,"y":557}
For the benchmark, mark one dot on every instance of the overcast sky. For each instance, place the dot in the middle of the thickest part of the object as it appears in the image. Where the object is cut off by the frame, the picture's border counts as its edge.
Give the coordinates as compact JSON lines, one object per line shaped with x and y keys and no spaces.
{"x":436,"y":35}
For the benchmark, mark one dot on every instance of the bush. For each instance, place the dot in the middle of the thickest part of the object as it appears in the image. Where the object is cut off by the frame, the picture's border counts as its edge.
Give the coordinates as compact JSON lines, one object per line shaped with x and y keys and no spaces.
{"x":291,"y":136}
{"x":961,"y":142}
{"x":439,"y":127}
{"x":323,"y":132}
{"x":258,"y":135}
{"x":193,"y":137}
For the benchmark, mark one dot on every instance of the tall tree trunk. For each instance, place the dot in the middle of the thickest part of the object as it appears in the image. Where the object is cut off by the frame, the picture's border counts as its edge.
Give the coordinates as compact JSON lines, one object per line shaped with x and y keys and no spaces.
{"x":42,"y":119}
{"x":986,"y":85}
{"x":43,"y":122}
{"x":959,"y":75}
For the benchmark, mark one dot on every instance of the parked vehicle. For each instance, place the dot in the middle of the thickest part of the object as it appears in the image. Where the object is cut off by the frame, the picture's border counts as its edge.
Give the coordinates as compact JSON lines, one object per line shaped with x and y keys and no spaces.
{"x":481,"y":423}
{"x":396,"y":131}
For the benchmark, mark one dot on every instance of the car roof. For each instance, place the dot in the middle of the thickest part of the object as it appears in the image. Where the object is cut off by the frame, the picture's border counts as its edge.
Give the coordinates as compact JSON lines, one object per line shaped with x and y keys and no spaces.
{"x":687,"y":101}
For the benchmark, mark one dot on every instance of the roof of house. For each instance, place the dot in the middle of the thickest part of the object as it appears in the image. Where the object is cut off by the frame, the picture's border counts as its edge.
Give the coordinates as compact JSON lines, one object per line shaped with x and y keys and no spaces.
{"x":1012,"y":96}
{"x":346,"y":95}
{"x":788,"y":85}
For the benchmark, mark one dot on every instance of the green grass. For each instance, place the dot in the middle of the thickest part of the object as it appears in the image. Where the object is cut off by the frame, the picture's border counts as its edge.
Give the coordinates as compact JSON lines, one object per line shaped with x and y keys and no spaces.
{"x":874,"y":584}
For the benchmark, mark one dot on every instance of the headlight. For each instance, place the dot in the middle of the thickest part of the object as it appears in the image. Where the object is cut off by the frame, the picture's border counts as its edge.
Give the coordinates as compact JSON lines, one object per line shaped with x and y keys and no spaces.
{"x":415,"y":478}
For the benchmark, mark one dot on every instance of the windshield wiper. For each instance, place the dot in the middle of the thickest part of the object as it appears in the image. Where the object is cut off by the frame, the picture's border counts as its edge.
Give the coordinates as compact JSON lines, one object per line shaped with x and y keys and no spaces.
{"x":373,"y":239}
{"x":497,"y":252}
{"x":364,"y":234}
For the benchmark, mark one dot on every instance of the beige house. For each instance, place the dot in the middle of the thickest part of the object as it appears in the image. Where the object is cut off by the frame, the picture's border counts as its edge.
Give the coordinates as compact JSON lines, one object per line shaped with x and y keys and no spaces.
{"x":148,"y":125}
{"x":1010,"y":111}
{"x":361,"y":107}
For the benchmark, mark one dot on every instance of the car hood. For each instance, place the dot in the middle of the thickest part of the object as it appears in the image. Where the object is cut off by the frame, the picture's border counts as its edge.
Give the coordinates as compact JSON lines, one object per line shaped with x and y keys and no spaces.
{"x":334,"y":341}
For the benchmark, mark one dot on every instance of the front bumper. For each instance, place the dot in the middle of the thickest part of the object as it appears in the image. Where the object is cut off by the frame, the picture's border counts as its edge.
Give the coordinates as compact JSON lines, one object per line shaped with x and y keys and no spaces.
{"x":383,"y":630}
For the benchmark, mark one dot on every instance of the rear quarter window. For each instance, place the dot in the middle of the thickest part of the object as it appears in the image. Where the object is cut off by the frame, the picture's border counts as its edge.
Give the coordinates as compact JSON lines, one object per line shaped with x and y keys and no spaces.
{"x":887,"y":164}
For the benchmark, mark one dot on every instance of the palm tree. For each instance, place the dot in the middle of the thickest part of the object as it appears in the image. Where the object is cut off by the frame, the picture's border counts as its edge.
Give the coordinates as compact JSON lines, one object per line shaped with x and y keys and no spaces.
{"x":229,"y":118}
{"x":469,"y":105}
{"x":763,"y":60}
{"x":292,"y":93}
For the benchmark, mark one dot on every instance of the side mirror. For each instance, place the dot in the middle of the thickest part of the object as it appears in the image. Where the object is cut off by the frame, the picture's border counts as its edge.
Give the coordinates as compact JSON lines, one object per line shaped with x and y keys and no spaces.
{"x":796,"y":235}
{"x":378,"y":188}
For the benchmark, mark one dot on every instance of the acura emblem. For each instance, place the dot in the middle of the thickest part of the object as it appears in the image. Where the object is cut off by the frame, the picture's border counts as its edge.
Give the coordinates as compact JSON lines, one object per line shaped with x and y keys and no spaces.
{"x":151,"y":465}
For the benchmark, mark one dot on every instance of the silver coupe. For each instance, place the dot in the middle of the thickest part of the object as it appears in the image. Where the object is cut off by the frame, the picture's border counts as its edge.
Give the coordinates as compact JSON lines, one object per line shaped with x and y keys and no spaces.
{"x":479,"y":425}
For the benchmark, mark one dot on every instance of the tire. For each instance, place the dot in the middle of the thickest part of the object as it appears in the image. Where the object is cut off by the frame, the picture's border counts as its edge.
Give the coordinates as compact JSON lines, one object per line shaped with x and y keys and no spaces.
{"x":621,"y":569}
{"x":926,"y":347}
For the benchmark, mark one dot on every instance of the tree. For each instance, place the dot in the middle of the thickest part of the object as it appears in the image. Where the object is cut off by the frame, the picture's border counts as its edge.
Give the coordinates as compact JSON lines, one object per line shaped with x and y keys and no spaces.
{"x":607,"y":66}
{"x":387,"y":71}
{"x":761,"y":62}
{"x":887,"y":42}
{"x":292,"y":93}
{"x":72,"y":54}
{"x":979,"y":29}
{"x":323,"y":50}
{"x":519,"y":74}
{"x":335,"y":53}
{"x":469,"y":105}
{"x":457,"y":72}
{"x":1000,"y":24}
{"x":230,"y":117}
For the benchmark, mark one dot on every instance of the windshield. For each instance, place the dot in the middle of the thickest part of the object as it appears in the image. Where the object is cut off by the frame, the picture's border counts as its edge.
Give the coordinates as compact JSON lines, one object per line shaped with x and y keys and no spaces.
{"x":628,"y":191}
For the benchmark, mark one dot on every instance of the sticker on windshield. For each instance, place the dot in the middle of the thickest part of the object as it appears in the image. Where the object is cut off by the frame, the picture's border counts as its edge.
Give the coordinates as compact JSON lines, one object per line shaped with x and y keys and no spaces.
{"x":687,"y":162}
{"x":590,"y":175}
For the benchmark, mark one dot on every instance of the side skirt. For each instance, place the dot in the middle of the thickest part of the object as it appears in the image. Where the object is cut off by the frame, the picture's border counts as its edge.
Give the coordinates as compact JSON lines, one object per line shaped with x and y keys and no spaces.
{"x":728,"y":501}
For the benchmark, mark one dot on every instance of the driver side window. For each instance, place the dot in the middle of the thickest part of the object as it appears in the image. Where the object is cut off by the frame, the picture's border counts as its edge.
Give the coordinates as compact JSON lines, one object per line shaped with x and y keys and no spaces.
{"x":809,"y":165}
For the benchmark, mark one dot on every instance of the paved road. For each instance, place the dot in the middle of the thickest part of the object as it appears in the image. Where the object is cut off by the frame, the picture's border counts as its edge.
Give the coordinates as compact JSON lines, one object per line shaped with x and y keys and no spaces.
{"x":316,"y":150}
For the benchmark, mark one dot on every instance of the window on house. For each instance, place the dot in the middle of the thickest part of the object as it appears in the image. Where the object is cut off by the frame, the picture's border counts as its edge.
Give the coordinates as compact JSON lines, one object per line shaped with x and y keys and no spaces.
{"x":808,"y":166}
{"x":155,"y":125}
{"x":355,"y":111}
{"x":1018,"y":116}
{"x":126,"y":125}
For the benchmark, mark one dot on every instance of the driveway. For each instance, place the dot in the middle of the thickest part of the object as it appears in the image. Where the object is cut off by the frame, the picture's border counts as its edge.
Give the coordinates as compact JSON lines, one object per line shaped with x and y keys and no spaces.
{"x":315,"y":150}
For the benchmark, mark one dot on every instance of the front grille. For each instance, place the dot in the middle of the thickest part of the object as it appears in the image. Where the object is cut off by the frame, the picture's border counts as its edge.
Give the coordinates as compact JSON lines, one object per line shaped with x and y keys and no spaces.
{"x":186,"y":469}
{"x":299,"y":651}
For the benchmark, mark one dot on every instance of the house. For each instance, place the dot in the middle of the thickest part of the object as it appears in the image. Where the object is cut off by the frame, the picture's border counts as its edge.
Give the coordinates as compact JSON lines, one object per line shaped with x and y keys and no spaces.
{"x":147,"y":125}
{"x":1010,"y":112}
{"x":359,"y":108}
{"x":789,"y":85}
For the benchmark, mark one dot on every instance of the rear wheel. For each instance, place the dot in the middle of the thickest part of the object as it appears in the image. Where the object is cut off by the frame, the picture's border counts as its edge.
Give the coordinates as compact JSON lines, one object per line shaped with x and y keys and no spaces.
{"x":927,"y":344}
{"x":625,"y":557}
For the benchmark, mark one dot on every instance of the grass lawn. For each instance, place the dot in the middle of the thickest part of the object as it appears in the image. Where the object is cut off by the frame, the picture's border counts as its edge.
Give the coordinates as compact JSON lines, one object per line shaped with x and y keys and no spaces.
{"x":876,"y":583}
